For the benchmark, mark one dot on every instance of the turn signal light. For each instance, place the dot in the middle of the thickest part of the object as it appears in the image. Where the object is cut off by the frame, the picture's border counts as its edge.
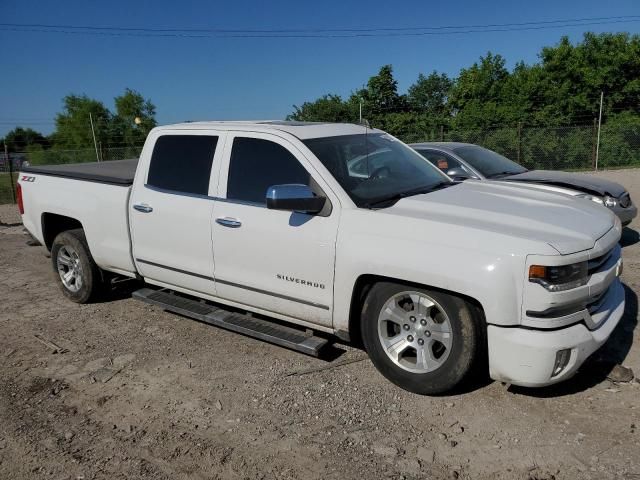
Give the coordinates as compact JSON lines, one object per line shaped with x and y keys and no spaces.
{"x":537,"y":271}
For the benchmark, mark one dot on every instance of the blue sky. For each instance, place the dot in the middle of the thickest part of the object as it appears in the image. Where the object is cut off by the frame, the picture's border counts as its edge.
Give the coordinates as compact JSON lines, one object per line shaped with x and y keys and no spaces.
{"x":236,"y":78}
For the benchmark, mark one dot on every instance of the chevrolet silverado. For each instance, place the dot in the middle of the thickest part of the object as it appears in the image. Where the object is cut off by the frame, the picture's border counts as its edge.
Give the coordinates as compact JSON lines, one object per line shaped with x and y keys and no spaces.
{"x":286,"y":231}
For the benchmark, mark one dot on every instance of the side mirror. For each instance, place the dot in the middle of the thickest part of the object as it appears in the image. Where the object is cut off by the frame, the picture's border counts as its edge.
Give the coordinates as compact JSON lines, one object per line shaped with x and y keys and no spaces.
{"x":458,"y":173}
{"x":294,"y":197}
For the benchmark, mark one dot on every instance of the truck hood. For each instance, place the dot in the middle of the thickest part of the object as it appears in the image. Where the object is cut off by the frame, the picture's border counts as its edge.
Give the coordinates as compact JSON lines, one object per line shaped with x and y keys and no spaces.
{"x":576,"y":181}
{"x":566,"y":223}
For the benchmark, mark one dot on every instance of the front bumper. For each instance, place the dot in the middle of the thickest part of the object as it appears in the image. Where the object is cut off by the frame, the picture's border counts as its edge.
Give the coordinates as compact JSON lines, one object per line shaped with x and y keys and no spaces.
{"x":526,"y":357}
{"x":625,"y":214}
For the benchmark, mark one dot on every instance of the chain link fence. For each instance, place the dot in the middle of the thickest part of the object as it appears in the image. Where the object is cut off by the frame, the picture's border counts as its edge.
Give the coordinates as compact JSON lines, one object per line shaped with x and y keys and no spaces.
{"x":549,"y":148}
{"x":557,"y":148}
{"x":9,"y":167}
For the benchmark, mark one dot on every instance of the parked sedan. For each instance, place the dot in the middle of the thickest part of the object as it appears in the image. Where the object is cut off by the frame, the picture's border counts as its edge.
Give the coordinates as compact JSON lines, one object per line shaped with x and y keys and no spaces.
{"x":464,"y":160}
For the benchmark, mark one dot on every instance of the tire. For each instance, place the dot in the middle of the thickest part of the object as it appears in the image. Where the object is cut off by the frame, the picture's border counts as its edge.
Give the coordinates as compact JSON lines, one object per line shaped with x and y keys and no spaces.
{"x":400,"y":328}
{"x":77,"y":274}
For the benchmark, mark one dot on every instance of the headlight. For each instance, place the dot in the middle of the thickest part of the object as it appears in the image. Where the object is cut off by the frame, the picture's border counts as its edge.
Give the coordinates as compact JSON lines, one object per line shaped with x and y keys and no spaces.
{"x":558,"y":279}
{"x":625,"y":200}
{"x":607,"y":201}
{"x":593,"y":198}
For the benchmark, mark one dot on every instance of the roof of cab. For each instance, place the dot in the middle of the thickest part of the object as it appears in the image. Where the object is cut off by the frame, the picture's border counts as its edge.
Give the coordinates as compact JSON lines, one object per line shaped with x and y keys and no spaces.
{"x":301,"y":130}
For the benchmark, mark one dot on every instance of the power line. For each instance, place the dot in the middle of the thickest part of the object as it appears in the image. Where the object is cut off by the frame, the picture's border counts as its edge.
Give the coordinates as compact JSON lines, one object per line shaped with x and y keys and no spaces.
{"x":314,"y":30}
{"x":311,"y":32}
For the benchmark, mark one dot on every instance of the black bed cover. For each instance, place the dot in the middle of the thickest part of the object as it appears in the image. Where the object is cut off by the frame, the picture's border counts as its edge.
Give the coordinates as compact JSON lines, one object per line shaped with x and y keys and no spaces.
{"x":115,"y":172}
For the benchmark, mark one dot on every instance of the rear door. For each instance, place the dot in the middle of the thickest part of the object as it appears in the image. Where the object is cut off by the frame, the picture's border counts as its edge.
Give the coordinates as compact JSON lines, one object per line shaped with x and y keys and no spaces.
{"x":279,"y":261}
{"x":171,"y":207}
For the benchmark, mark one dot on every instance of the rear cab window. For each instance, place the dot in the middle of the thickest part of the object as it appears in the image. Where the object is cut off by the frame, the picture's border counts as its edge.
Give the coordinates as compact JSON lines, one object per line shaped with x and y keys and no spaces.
{"x":182,"y":163}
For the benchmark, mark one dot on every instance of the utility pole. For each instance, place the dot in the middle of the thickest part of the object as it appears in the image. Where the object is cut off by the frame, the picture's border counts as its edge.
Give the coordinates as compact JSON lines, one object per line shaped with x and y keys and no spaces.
{"x":6,"y":156}
{"x":519,"y":142}
{"x":599,"y":128}
{"x":93,"y":132}
{"x":360,"y":110}
{"x":594,"y":134}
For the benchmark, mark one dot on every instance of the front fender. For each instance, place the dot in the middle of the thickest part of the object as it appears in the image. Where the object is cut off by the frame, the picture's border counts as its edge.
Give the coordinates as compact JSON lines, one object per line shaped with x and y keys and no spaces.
{"x":474,"y":267}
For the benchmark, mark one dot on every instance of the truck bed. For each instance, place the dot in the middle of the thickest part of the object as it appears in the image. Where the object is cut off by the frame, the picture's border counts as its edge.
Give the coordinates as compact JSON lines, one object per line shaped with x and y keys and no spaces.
{"x":115,"y":172}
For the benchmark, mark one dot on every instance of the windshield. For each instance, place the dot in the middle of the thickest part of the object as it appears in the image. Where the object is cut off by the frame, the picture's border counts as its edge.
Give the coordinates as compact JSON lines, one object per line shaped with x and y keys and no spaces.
{"x":487,"y":162}
{"x":375,"y":167}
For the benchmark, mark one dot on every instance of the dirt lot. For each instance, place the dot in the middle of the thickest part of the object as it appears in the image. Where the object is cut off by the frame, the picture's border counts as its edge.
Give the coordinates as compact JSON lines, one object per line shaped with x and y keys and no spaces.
{"x":140,"y":393}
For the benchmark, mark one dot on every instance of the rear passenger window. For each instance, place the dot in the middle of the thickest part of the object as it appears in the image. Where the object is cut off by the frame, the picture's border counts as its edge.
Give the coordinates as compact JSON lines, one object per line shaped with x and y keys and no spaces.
{"x":182,"y":163}
{"x":256,"y":165}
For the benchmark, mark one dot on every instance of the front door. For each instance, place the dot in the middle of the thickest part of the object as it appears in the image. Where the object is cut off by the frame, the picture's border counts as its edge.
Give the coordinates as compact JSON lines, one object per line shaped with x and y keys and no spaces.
{"x":281,"y":262}
{"x":171,"y":208}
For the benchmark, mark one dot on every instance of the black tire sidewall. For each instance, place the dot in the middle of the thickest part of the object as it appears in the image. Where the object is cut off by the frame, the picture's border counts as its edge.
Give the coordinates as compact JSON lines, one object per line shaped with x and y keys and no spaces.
{"x":90,"y":272}
{"x":464,"y":343}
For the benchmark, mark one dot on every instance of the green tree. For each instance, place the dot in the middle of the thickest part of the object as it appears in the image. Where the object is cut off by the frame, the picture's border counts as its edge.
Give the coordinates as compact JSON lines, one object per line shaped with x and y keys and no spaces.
{"x":328,"y":108}
{"x":576,"y":74}
{"x":476,"y":97}
{"x":381,"y":93}
{"x":523,"y":113}
{"x":620,"y":140}
{"x":19,"y":139}
{"x":522,"y":97}
{"x":134,"y":118}
{"x":73,"y":125}
{"x":430,"y":94}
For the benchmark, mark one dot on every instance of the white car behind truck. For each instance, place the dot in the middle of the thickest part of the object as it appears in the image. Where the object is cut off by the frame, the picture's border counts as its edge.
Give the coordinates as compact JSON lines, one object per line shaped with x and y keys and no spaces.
{"x":264,"y":228}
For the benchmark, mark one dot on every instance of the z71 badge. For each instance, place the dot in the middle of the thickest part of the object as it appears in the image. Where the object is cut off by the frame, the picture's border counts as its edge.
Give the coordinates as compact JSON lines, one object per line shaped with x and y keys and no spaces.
{"x":27,"y":178}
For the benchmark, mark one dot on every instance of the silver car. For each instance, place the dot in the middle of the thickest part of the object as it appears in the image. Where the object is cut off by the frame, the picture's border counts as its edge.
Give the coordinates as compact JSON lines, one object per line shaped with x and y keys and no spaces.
{"x":465,"y":160}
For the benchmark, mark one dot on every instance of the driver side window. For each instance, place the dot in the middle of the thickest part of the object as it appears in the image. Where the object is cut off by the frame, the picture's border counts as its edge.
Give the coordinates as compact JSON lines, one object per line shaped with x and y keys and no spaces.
{"x":256,"y":165}
{"x":441,"y":160}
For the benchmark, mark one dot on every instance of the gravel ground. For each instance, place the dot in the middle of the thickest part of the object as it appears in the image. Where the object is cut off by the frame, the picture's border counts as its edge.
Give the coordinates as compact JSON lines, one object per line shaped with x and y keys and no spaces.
{"x":138,"y":393}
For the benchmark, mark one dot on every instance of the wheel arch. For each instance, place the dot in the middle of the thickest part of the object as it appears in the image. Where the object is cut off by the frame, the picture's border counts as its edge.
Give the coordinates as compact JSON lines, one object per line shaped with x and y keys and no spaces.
{"x":363,"y":285}
{"x":54,"y":224}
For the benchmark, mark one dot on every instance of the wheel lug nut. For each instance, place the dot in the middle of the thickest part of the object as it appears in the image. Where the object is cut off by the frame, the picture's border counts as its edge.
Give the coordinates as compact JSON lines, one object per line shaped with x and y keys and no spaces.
{"x":406,"y":326}
{"x":413,"y":319}
{"x":420,"y":342}
{"x":423,"y":322}
{"x":410,"y":338}
{"x":427,"y":333}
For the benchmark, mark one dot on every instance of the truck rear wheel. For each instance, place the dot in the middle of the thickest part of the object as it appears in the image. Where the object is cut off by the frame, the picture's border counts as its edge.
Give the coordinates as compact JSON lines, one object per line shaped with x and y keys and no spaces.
{"x":424,"y":341}
{"x":78,"y":275}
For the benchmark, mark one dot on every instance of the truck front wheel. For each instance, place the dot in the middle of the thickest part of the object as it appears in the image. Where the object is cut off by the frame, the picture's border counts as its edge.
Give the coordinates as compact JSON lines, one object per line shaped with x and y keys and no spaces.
{"x":78,"y":275}
{"x":424,"y":341}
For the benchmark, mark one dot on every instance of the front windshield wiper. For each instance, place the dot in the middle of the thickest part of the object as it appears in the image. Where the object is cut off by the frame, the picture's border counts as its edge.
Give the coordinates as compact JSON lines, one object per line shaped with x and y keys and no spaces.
{"x":393,"y":198}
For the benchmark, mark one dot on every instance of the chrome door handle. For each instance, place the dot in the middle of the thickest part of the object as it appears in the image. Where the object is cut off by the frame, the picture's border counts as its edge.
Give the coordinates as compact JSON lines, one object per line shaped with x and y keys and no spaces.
{"x":229,"y":222}
{"x":143,"y":207}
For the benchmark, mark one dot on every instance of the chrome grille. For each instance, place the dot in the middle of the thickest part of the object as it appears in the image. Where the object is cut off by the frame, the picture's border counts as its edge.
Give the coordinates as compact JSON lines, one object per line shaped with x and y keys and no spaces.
{"x":596,"y":302}
{"x":594,"y":264}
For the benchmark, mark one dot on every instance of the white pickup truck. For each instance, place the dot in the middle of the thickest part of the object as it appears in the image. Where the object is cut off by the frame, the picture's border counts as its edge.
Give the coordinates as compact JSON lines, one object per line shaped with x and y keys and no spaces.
{"x":282,"y":231}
